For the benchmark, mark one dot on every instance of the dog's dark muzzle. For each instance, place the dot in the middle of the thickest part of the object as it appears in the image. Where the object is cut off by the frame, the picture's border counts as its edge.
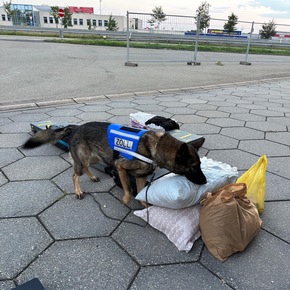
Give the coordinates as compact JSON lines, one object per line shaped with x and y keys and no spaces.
{"x":196,"y":175}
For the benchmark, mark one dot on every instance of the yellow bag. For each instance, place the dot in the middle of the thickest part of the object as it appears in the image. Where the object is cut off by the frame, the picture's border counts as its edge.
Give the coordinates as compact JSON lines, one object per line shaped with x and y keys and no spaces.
{"x":255,"y":178}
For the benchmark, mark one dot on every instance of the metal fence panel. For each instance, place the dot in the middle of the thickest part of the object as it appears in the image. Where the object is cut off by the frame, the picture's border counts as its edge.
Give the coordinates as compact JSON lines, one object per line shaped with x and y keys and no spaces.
{"x":183,"y":34}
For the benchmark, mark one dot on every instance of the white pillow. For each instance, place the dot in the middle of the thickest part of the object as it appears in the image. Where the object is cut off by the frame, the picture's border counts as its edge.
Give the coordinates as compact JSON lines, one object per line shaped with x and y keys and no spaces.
{"x":180,"y":226}
{"x":176,"y":191}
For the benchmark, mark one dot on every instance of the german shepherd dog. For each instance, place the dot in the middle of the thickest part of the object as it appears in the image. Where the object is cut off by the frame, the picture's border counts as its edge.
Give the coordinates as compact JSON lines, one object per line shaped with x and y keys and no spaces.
{"x":88,"y":144}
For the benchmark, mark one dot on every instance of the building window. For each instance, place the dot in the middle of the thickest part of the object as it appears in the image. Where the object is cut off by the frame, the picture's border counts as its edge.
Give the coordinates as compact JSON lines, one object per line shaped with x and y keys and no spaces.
{"x":9,"y":17}
{"x":75,"y":21}
{"x":88,"y":22}
{"x":45,"y":19}
{"x":100,"y":23}
{"x":3,"y":17}
{"x":94,"y":22}
{"x":106,"y":22}
{"x":51,"y":20}
{"x":81,"y":21}
{"x":56,"y":21}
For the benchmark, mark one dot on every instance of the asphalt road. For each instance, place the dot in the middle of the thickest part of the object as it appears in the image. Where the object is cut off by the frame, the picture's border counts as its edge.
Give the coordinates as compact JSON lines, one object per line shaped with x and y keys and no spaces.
{"x":34,"y":70}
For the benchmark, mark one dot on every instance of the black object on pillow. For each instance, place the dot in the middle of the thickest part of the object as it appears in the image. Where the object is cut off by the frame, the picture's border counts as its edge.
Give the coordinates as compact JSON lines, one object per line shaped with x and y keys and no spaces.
{"x":163,"y":122}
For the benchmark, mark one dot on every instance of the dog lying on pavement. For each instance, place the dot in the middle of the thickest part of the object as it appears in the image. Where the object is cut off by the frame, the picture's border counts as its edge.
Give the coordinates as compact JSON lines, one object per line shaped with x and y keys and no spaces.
{"x":89,"y":144}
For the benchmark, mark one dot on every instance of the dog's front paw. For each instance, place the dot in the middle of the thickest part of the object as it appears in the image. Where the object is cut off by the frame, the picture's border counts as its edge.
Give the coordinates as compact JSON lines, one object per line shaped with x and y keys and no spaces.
{"x":95,"y":179}
{"x":79,"y":195}
{"x":145,"y":204}
{"x":126,"y":198}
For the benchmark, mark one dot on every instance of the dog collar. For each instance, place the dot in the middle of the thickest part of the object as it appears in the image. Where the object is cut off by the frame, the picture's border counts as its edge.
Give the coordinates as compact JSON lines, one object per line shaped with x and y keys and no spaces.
{"x":126,"y":140}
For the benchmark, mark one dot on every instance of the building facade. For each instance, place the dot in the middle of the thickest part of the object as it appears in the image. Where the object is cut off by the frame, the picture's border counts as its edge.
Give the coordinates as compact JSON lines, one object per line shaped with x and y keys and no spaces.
{"x":40,"y":16}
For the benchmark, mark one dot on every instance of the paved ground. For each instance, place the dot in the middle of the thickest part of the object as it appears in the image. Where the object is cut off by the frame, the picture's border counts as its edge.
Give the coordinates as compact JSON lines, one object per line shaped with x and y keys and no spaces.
{"x":91,"y":244}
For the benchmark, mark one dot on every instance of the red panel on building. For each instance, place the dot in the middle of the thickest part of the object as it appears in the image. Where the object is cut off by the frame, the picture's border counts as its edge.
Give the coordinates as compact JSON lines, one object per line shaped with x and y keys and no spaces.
{"x":74,"y":9}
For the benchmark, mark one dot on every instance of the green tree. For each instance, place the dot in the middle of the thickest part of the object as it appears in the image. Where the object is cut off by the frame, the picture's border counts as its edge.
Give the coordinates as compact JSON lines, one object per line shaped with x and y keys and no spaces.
{"x":112,"y":24}
{"x":158,"y":16}
{"x":66,"y":20}
{"x":268,"y":30}
{"x":54,"y":13}
{"x":203,"y":12}
{"x":13,"y":13}
{"x":230,"y":26}
{"x":89,"y":24}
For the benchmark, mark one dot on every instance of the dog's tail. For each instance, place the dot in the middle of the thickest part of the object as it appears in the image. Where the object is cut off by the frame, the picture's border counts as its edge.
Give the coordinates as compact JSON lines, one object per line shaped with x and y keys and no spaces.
{"x":48,"y":136}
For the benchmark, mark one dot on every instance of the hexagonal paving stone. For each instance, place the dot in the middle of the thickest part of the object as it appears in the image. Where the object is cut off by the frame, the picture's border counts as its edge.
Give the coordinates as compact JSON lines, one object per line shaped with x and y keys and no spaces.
{"x":123,"y":112}
{"x":44,"y":150}
{"x":4,"y":121}
{"x":7,"y":285}
{"x":276,"y":218}
{"x":40,"y":167}
{"x":236,"y":158}
{"x":267,"y":113}
{"x":279,"y":120}
{"x":82,"y":264}
{"x":241,"y":133}
{"x":94,"y":116}
{"x":171,"y":104}
{"x":277,"y":187}
{"x":180,"y":111}
{"x":125,"y":120}
{"x":161,"y":278}
{"x":191,"y":99}
{"x":65,"y":112}
{"x":279,"y":137}
{"x":13,"y":140}
{"x":65,"y":182}
{"x":243,"y":270}
{"x":21,"y":241}
{"x":27,"y":197}
{"x":266,"y":126}
{"x":212,"y":114}
{"x":62,"y":120}
{"x":30,"y":117}
{"x":16,"y":127}
{"x":201,"y":128}
{"x":189,"y":119}
{"x":151,"y":247}
{"x":260,"y":147}
{"x":216,"y":141}
{"x":3,"y":179}
{"x":149,"y":108}
{"x":226,"y":122}
{"x":233,"y":110}
{"x":202,"y":107}
{"x":110,"y":206}
{"x":248,"y":117}
{"x":95,"y":108}
{"x":74,"y":218}
{"x":279,"y":165}
{"x":9,"y":155}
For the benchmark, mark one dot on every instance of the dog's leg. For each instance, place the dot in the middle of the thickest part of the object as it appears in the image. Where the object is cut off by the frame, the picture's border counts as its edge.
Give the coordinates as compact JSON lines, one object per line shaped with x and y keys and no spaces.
{"x":140,"y":182}
{"x":77,"y":186}
{"x":90,"y":174}
{"x":124,"y":178}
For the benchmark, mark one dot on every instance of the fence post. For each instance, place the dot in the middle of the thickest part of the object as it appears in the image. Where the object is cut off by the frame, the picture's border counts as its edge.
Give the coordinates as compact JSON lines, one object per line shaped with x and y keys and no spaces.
{"x":194,"y":62}
{"x":128,"y":63}
{"x":248,"y":47}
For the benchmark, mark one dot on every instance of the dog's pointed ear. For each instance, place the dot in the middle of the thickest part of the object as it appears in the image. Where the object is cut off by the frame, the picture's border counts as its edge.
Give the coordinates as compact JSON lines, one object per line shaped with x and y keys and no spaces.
{"x":197,"y":144}
{"x":182,"y":154}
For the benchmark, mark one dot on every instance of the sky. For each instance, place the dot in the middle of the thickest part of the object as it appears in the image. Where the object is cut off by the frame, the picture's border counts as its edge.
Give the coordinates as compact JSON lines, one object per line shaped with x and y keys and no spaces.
{"x":247,"y":10}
